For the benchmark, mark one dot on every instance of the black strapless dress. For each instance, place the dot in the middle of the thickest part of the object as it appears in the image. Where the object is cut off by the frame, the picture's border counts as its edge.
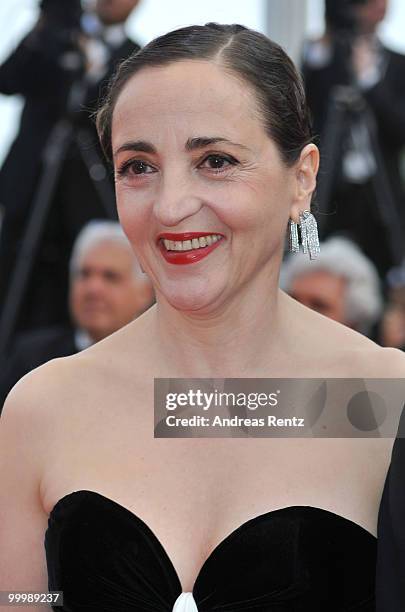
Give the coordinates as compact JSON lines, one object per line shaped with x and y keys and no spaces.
{"x":106,"y":559}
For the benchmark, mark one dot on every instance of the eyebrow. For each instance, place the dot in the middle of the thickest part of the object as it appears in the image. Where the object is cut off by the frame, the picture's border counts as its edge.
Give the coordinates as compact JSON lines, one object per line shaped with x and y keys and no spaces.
{"x":202,"y":141}
{"x":192,"y":144}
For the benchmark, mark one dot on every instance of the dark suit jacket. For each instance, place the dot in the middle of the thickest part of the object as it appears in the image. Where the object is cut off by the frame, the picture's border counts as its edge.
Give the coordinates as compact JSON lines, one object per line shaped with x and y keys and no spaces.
{"x":34,"y":70}
{"x":391,"y":532}
{"x":31,"y":350}
{"x":385,"y":98}
{"x":354,"y":207}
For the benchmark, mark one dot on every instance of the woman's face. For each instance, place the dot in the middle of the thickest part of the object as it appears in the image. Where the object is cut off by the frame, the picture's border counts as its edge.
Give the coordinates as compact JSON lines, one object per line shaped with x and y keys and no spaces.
{"x":191,"y":155}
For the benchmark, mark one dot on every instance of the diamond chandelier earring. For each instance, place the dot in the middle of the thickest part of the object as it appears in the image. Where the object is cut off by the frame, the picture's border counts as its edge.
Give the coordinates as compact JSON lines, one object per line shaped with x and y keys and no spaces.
{"x":309,"y":234}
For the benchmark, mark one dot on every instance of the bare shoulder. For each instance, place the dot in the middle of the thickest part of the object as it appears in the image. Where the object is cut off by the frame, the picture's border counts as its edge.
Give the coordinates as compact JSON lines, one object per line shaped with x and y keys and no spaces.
{"x":389,"y":362}
{"x":26,"y":431}
{"x":36,"y":392}
{"x":29,"y":419}
{"x":54,"y":389}
{"x":46,"y":409}
{"x":42,"y":400}
{"x":358,"y":356}
{"x":68,"y":394}
{"x":343,"y":351}
{"x":40,"y":417}
{"x":361,"y":357}
{"x":32,"y":394}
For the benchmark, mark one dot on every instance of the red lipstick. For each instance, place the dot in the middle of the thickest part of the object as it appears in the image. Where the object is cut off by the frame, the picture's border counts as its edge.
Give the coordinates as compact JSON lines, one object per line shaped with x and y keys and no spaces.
{"x":190,"y":256}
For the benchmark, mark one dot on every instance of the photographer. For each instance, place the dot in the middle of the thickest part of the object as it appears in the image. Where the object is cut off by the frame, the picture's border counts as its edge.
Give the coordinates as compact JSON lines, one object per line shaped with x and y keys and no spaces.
{"x":351,"y":54}
{"x":40,"y":70}
{"x":60,"y":68}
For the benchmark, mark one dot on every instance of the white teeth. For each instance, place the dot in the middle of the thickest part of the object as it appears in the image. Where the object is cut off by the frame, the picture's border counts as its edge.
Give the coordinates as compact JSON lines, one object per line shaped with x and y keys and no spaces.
{"x":188,"y":245}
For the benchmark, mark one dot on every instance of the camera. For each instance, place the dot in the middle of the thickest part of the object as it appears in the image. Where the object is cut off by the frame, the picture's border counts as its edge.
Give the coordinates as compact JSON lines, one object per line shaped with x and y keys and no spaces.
{"x":63,"y":14}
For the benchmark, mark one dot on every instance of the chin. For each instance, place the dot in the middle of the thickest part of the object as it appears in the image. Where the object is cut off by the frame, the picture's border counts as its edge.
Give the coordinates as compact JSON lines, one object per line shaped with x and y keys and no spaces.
{"x":98,"y":334}
{"x":187,"y":296}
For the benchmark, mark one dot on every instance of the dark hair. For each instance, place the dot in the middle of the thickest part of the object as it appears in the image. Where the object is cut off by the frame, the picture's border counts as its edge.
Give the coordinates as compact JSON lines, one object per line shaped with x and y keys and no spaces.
{"x":341,"y":17}
{"x":249,"y":55}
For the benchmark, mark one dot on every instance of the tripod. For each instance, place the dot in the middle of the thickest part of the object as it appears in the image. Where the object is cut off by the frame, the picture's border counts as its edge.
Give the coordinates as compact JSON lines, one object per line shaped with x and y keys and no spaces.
{"x":62,"y":135}
{"x":346,"y":107}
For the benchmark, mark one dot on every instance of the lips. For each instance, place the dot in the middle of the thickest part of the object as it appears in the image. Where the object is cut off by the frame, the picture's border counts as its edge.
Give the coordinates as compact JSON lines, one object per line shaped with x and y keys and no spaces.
{"x":187,"y":256}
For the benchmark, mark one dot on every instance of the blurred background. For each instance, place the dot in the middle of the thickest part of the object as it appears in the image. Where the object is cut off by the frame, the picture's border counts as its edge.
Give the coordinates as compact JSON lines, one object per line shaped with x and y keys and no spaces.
{"x":68,"y":277}
{"x":154,"y":17}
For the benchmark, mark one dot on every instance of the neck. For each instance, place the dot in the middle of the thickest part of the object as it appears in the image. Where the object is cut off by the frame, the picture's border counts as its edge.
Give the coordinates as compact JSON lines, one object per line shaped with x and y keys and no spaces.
{"x":369,"y":31}
{"x":242,"y":338}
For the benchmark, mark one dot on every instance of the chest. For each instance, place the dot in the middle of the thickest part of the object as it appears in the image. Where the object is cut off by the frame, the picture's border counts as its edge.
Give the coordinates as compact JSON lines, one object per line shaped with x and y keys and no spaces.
{"x":194,"y":492}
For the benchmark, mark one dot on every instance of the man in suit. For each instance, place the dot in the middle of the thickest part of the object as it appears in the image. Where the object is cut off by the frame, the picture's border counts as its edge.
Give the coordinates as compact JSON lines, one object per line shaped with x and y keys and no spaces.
{"x":351,"y":54}
{"x":66,"y":53}
{"x":107,"y":291}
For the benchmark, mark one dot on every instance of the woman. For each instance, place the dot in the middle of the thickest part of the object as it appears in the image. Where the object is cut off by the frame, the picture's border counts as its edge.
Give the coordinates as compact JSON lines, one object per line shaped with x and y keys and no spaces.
{"x":208,"y":131}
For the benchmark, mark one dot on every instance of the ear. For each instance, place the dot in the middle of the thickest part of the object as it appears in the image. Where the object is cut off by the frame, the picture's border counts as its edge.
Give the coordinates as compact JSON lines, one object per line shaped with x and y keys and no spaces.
{"x":305,"y":171}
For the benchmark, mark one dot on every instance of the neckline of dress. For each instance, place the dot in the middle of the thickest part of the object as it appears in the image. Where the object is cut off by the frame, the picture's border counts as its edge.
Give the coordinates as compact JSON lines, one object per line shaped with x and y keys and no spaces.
{"x":226,"y":540}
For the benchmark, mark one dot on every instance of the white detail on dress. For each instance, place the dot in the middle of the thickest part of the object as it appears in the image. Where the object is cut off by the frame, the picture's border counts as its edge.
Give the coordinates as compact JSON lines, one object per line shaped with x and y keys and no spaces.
{"x":185,"y":603}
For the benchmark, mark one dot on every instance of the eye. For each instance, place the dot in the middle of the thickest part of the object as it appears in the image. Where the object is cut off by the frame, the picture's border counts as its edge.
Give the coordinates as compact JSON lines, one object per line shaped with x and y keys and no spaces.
{"x":218,"y":163}
{"x":135,"y":167}
{"x":111,"y":276}
{"x":82,"y":273}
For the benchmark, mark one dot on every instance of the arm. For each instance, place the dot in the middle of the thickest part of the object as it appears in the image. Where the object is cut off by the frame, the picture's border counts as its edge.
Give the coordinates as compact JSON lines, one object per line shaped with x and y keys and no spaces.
{"x":22,"y":519}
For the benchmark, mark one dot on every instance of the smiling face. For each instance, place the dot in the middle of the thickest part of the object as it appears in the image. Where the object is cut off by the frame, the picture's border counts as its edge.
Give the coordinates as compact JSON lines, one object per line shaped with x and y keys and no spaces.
{"x":191,"y":155}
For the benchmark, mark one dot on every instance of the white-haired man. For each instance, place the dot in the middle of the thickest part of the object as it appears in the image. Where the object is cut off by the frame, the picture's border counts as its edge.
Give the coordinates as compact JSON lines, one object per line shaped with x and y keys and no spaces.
{"x":107,"y":286}
{"x":107,"y":290}
{"x":342,"y":284}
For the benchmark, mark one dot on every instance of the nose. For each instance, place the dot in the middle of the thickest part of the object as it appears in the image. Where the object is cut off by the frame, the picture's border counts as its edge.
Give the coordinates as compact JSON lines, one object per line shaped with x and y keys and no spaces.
{"x":93,"y":285}
{"x":175,"y":200}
